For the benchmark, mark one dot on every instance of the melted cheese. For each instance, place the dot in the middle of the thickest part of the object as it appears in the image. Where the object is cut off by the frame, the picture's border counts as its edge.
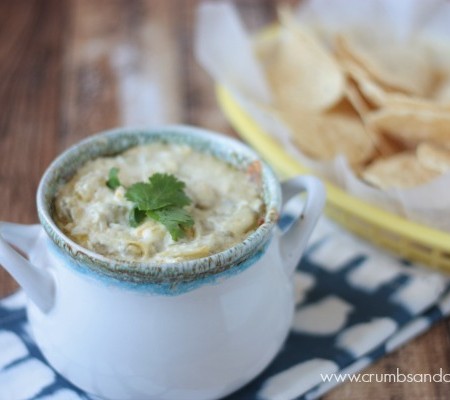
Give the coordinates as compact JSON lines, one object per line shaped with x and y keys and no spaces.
{"x":226,"y":205}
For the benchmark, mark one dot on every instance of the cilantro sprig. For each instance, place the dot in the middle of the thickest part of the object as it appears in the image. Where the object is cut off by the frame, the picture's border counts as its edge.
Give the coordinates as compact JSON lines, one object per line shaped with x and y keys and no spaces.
{"x":113,"y":181}
{"x":162,"y":199}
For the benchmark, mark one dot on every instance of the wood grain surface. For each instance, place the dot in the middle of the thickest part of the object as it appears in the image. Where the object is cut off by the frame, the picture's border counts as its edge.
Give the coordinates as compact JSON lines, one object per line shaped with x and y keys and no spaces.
{"x":71,"y":68}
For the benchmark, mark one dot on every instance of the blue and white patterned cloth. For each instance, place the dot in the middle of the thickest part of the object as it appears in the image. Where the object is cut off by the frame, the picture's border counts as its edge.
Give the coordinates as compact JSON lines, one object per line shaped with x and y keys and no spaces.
{"x":354,"y":304}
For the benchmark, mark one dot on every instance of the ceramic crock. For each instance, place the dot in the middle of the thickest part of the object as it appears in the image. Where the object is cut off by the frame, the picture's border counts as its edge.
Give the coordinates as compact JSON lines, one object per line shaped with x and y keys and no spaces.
{"x":198,"y":329}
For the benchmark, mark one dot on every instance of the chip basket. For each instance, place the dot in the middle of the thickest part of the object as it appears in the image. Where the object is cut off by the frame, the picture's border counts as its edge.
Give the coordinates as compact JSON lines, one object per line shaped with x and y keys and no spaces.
{"x":405,"y":238}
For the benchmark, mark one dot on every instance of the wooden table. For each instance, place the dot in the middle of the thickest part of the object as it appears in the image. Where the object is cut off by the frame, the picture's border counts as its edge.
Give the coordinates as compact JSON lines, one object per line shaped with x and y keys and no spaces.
{"x":70,"y":68}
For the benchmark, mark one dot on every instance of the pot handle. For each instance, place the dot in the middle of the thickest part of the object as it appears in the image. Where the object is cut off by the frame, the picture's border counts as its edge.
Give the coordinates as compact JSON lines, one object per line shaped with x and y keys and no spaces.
{"x":294,"y":239}
{"x":37,"y":283}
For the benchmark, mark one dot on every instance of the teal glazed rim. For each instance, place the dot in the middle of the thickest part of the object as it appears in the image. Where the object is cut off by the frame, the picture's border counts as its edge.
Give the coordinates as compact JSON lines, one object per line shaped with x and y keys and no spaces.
{"x":115,"y":141}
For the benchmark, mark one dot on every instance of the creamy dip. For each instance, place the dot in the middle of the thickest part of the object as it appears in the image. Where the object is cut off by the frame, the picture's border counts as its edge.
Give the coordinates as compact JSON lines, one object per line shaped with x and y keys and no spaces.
{"x":226,"y":205}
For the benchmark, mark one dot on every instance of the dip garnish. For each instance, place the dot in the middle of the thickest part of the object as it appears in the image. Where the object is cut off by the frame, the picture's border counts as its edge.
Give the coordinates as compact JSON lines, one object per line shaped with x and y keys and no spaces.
{"x":162,"y":198}
{"x":113,"y":181}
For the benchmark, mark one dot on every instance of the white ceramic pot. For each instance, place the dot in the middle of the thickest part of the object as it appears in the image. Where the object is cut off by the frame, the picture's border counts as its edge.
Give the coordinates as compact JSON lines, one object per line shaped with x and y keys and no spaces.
{"x":199,"y":329}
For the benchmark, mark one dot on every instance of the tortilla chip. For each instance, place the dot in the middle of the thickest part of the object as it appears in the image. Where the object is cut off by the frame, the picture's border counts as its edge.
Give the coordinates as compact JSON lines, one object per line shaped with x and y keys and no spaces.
{"x":324,"y":136}
{"x":441,"y":94}
{"x":412,"y":125}
{"x":402,"y":170}
{"x":400,"y":66}
{"x":378,"y":96}
{"x":300,"y":71}
{"x":434,"y":157}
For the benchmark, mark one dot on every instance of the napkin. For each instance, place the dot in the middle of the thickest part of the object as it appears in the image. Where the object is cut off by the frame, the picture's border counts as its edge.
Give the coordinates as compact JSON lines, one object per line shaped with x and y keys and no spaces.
{"x":354,"y":304}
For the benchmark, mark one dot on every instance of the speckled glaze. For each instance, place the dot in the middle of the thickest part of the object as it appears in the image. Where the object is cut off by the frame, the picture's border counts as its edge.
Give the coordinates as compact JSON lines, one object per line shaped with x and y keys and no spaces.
{"x":187,"y":330}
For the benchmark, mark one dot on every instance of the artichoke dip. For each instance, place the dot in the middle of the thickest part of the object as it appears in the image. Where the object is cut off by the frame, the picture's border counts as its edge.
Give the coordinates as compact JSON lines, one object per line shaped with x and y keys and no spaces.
{"x":223,"y":205}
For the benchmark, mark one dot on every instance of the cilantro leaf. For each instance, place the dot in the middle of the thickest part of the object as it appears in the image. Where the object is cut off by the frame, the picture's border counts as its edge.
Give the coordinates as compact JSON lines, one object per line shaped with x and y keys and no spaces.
{"x":162,"y":190}
{"x":141,"y":194}
{"x":136,"y":217}
{"x":175,"y":219}
{"x":170,"y":190}
{"x":162,"y":198}
{"x":113,"y":181}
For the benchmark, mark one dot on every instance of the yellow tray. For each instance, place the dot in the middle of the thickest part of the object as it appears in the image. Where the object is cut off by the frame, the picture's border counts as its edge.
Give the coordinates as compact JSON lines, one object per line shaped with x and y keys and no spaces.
{"x":408,"y":239}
